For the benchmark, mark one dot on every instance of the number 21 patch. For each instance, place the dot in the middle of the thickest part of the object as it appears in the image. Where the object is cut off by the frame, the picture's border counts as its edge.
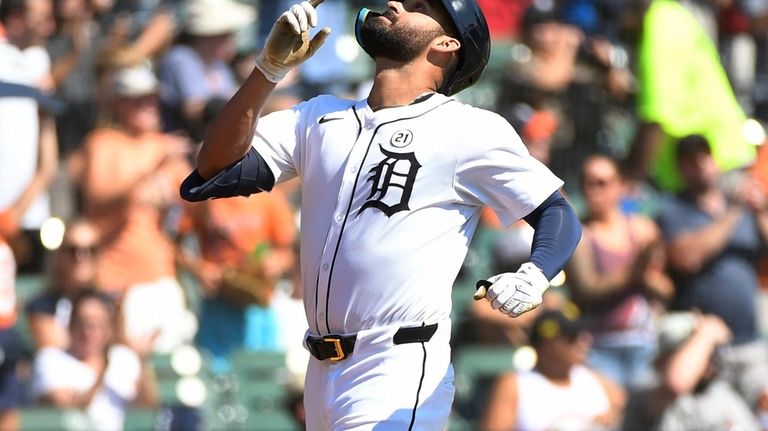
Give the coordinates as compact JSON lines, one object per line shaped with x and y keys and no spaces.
{"x":401,"y":138}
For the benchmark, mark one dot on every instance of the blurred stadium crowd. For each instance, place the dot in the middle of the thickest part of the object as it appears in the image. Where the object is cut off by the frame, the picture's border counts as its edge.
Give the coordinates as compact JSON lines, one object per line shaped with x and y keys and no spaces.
{"x":123,"y":307}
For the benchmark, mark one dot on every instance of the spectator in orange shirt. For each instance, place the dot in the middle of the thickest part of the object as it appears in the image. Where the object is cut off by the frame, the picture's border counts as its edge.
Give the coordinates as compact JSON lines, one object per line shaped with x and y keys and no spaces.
{"x":129,"y":179}
{"x":244,"y":243}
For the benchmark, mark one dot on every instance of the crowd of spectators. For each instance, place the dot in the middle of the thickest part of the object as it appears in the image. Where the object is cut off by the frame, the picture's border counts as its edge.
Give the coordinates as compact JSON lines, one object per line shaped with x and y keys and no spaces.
{"x":652,"y":111}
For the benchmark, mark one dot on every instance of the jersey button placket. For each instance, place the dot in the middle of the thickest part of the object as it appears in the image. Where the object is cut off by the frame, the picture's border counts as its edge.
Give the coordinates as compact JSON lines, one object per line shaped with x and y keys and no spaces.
{"x":346,"y":190}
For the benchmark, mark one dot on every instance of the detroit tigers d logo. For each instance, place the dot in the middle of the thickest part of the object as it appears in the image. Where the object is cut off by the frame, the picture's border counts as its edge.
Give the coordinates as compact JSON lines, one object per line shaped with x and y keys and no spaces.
{"x":392,"y":182}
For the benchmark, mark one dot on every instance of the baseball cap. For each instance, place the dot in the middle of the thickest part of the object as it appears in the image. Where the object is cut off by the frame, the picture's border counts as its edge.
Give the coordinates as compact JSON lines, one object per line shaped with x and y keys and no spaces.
{"x":553,"y":324}
{"x":215,"y":17}
{"x":134,"y":81}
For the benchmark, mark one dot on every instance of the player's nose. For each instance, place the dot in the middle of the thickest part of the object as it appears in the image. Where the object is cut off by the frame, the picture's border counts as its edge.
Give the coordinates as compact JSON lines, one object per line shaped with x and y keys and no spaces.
{"x":395,"y":6}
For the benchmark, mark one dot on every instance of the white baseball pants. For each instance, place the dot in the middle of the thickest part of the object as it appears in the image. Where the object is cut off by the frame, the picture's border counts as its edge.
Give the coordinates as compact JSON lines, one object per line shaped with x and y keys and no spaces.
{"x":383,"y":386}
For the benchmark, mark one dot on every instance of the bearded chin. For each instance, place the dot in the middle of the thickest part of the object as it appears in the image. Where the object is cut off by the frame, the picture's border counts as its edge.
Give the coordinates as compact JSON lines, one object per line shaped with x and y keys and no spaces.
{"x":392,"y":42}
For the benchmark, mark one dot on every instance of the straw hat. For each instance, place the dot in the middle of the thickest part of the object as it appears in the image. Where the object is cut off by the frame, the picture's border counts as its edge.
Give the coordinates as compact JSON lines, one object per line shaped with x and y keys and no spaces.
{"x":215,"y":17}
{"x":135,"y":81}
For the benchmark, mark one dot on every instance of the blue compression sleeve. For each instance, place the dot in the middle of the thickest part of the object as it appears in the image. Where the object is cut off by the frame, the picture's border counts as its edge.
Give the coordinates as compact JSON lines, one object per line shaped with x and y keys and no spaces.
{"x":247,"y":176}
{"x":557,"y":232}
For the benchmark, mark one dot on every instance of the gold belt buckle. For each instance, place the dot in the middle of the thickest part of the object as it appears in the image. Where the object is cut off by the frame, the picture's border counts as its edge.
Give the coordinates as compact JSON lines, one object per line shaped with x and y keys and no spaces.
{"x":336,"y":346}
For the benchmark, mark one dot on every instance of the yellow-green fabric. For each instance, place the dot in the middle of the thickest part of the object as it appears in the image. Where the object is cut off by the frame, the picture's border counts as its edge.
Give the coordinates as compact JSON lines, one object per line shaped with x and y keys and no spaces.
{"x":684,"y":88}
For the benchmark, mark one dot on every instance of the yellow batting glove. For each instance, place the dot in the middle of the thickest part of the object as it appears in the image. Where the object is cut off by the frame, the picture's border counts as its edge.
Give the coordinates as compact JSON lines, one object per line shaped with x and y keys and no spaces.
{"x":288,"y":44}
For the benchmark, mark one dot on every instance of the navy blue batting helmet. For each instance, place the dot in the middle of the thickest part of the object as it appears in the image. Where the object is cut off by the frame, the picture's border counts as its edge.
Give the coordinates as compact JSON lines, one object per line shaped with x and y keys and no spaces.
{"x":472,"y":32}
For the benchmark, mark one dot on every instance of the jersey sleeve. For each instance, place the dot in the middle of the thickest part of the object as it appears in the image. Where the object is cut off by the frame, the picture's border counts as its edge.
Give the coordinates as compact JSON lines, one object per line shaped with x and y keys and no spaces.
{"x":497,"y":171}
{"x":277,"y":140}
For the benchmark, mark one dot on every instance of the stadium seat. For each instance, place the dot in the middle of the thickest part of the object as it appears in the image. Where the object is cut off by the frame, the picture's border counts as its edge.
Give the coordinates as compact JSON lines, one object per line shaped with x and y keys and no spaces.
{"x":139,"y":419}
{"x":161,"y":364}
{"x":262,"y":397}
{"x":250,"y":365}
{"x":476,"y":367}
{"x":29,"y":285}
{"x":275,"y":421}
{"x":457,"y":423}
{"x":262,"y":385}
{"x":51,"y":419}
{"x":253,"y":395}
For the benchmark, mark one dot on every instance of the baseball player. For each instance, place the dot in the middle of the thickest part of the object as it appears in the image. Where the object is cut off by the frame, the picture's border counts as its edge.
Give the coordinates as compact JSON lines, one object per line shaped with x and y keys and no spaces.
{"x":392,"y":188}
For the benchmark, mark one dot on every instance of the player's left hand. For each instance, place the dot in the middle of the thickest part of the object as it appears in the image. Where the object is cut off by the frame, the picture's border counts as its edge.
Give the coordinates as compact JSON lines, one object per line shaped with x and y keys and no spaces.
{"x":514,"y":293}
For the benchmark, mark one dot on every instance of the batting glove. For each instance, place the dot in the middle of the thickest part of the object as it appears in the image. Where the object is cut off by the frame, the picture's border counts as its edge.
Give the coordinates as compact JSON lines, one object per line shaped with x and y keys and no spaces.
{"x":288,"y":44}
{"x":515,"y":293}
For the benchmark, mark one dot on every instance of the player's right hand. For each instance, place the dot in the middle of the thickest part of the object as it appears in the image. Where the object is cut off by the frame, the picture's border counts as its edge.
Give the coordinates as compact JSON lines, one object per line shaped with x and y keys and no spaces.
{"x":288,"y":44}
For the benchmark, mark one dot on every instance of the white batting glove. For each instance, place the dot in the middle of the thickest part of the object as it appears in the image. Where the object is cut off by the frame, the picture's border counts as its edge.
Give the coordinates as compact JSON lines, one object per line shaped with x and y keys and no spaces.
{"x":515,"y":293}
{"x":288,"y":44}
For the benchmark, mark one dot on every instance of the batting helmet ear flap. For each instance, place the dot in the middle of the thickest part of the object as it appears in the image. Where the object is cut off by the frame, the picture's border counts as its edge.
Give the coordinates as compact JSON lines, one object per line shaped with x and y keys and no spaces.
{"x":475,"y":40}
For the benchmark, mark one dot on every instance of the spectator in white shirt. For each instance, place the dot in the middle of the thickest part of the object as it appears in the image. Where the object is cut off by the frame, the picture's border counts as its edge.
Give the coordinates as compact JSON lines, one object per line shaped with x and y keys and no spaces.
{"x":95,"y":374}
{"x":560,"y":392}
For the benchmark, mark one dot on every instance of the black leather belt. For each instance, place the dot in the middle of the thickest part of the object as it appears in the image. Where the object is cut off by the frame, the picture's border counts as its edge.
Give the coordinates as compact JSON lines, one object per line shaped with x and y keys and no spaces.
{"x":338,"y":347}
{"x":333,"y":347}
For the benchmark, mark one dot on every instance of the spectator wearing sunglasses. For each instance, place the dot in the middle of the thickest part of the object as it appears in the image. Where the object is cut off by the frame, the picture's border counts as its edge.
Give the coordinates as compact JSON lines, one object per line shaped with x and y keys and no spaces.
{"x":74,"y":269}
{"x":617,"y":277}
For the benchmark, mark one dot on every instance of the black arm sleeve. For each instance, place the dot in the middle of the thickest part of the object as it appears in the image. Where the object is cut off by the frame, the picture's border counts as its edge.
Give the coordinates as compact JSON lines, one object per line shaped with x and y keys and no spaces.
{"x":247,"y":176}
{"x":557,"y":233}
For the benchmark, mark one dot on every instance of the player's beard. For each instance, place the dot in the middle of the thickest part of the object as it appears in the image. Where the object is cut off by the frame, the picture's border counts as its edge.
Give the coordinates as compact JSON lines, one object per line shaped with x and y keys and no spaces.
{"x":395,"y":42}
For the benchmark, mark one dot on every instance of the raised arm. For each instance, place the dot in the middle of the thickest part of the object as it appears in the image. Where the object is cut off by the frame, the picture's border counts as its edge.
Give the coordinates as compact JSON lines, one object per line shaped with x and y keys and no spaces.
{"x":287,"y":46}
{"x":228,"y":139}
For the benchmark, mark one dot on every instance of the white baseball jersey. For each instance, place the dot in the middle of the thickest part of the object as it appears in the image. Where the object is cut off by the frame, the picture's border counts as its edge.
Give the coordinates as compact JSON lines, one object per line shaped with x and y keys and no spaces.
{"x":390,"y":200}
